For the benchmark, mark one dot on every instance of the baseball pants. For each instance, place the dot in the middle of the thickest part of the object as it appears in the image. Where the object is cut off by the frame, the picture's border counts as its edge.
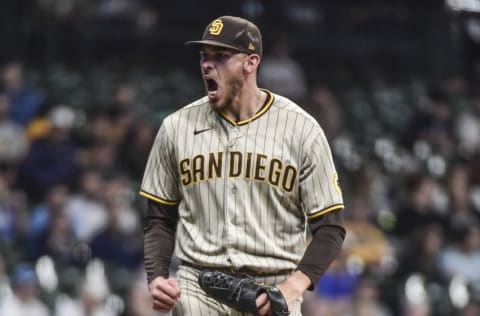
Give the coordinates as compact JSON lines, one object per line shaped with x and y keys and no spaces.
{"x":195,"y":302}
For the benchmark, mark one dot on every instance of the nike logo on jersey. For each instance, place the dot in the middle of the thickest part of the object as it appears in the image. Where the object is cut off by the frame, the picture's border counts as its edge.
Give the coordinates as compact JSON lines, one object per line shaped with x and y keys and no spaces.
{"x":199,"y":131}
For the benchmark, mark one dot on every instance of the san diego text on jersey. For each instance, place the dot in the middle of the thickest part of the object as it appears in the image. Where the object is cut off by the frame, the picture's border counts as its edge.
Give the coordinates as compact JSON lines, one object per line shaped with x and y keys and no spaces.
{"x":234,"y":164}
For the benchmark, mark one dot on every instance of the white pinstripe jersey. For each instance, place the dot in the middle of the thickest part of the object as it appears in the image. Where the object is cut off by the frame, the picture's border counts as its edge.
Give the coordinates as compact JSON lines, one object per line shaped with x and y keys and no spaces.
{"x":244,"y":189}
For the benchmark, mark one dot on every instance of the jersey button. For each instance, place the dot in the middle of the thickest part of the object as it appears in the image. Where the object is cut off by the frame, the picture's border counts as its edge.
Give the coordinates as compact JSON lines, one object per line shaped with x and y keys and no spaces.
{"x":234,"y":190}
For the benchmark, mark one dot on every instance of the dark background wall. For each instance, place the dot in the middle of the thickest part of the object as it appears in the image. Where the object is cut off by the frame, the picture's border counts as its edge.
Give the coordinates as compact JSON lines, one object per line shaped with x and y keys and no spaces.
{"x":340,"y":39}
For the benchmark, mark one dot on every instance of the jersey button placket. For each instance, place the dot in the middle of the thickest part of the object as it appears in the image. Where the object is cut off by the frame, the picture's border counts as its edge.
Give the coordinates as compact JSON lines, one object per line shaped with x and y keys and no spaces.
{"x":227,"y":231}
{"x":232,"y":188}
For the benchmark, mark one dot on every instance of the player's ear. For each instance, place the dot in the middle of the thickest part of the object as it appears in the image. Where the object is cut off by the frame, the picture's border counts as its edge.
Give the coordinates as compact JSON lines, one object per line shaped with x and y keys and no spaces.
{"x":251,"y":63}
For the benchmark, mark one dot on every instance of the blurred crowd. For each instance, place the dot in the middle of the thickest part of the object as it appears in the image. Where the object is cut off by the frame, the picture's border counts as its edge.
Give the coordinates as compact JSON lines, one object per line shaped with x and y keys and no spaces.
{"x":70,"y":216}
{"x":74,"y":142}
{"x":408,"y":154}
{"x":70,"y":228}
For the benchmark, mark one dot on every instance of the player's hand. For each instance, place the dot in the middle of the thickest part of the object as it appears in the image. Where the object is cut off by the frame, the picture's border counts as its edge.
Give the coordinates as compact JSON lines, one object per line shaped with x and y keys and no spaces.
{"x":263,"y":304}
{"x":165,"y":293}
{"x":292,"y":288}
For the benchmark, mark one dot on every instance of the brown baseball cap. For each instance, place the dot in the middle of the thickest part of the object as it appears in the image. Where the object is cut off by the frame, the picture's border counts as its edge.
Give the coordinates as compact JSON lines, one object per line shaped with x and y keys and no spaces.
{"x":231,"y":32}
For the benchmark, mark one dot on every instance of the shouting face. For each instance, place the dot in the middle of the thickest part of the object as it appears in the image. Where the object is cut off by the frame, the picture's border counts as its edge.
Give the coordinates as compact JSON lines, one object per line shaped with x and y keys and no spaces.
{"x":223,"y":75}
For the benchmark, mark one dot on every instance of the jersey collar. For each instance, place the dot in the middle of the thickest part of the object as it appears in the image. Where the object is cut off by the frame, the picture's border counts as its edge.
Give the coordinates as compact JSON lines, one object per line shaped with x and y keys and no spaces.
{"x":266,"y":105}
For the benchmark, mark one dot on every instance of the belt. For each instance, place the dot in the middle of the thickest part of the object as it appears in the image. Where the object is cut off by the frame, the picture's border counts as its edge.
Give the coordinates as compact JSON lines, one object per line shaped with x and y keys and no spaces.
{"x":242,"y":272}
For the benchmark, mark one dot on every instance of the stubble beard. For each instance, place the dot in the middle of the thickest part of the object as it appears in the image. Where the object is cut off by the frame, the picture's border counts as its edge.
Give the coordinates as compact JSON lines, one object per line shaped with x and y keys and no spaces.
{"x":233,"y":88}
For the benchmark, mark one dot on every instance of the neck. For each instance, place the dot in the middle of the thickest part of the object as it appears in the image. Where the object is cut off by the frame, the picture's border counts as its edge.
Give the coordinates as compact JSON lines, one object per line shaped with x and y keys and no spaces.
{"x":245,"y":105}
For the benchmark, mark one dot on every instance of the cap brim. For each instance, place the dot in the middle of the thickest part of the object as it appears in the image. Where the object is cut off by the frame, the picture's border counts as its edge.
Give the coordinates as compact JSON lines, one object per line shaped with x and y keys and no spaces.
{"x":198,"y":44}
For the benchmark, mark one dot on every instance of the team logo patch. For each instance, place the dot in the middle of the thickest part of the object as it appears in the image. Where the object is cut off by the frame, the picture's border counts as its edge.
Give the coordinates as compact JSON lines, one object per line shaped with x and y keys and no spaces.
{"x":336,"y":183}
{"x":251,"y":46}
{"x":216,"y":27}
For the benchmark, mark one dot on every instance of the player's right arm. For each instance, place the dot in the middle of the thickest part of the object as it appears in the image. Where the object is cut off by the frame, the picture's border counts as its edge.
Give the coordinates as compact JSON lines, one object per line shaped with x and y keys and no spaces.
{"x":165,"y":293}
{"x":160,"y":187}
{"x":159,"y":226}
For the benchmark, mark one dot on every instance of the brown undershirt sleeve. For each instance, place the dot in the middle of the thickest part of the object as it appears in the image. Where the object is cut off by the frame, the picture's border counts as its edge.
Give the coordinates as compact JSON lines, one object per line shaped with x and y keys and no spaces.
{"x":328,"y":234}
{"x":159,"y":228}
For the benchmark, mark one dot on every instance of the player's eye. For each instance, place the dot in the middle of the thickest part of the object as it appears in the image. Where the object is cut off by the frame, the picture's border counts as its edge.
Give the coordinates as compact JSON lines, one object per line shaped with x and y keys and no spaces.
{"x":221,"y":56}
{"x":215,"y":56}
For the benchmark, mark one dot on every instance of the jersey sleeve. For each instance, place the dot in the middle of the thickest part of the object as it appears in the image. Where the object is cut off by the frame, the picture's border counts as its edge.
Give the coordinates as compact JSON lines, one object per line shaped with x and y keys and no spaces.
{"x":160,"y":179}
{"x":319,"y":184}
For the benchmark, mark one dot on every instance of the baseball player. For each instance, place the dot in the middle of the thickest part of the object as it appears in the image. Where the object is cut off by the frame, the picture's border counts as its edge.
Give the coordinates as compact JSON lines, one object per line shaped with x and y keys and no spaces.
{"x":234,"y":180}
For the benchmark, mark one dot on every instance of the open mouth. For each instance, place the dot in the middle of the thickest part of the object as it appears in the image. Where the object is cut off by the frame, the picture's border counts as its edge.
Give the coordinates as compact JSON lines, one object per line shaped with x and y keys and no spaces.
{"x":211,"y":84}
{"x":212,"y":87}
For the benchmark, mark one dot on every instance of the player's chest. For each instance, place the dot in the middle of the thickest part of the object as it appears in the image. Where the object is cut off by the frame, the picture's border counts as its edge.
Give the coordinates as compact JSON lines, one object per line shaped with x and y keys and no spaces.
{"x":251,"y":141}
{"x":249,"y":152}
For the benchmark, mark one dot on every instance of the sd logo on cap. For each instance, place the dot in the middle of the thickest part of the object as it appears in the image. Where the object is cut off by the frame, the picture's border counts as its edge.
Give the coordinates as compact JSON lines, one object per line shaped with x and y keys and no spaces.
{"x":231,"y":32}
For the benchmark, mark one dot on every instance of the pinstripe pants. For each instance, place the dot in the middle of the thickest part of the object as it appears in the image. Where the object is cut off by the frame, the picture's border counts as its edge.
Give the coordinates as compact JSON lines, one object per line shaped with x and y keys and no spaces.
{"x":194,"y":301}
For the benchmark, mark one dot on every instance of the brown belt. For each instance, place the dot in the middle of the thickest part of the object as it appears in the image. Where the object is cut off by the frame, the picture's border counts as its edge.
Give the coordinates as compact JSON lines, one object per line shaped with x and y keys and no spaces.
{"x":241,"y":272}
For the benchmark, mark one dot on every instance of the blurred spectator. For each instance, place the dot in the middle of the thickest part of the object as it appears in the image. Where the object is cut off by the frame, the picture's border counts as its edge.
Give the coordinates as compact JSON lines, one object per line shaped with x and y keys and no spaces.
{"x":124,"y":107}
{"x":41,"y":217}
{"x":13,"y":143}
{"x":425,"y":246}
{"x":414,"y":308}
{"x":367,"y":299}
{"x":99,"y":141}
{"x":92,"y":304}
{"x":7,"y":214}
{"x":121,"y":112}
{"x":54,"y":202}
{"x":107,"y":129}
{"x":58,"y":241}
{"x":26,"y":102}
{"x":98,"y":129}
{"x":104,"y":156}
{"x":119,"y":244}
{"x":415,"y":211}
{"x":459,"y":190}
{"x":5,"y":290}
{"x":280,"y":72}
{"x":140,"y":300}
{"x":38,"y":128}
{"x":86,"y":208}
{"x":323,"y":105}
{"x":13,"y":216}
{"x":467,"y":128}
{"x":135,"y":149}
{"x":24,"y":300}
{"x":364,"y":240}
{"x":435,"y":124}
{"x":372,"y":184}
{"x":335,"y":291}
{"x":51,"y":160}
{"x":472,"y":309}
{"x":462,"y":257}
{"x":420,"y":260}
{"x":89,"y":303}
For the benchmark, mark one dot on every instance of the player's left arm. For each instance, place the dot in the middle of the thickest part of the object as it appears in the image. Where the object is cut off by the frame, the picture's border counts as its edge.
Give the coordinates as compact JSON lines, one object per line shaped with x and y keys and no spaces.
{"x":323,"y":203}
{"x":328,"y":235}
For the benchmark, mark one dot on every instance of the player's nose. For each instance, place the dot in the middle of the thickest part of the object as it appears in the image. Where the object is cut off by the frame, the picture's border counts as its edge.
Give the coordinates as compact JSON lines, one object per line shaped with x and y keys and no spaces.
{"x":206,"y":63}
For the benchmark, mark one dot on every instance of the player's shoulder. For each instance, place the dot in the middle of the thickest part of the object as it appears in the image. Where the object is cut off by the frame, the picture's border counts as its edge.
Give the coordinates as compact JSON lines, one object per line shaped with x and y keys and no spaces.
{"x":191,"y":110}
{"x":284,"y":104}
